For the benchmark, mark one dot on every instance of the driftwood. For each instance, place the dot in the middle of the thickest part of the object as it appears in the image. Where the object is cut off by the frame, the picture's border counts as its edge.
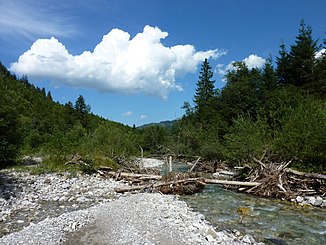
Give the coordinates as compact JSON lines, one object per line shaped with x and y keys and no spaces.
{"x":158,"y":185}
{"x":228,"y":182}
{"x":193,"y":166}
{"x":307,"y":175}
{"x":121,"y":175}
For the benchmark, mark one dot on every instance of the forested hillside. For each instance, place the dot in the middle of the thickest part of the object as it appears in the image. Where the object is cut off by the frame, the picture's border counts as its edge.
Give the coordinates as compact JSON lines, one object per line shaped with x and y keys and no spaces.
{"x":278,"y":111}
{"x":33,"y":124}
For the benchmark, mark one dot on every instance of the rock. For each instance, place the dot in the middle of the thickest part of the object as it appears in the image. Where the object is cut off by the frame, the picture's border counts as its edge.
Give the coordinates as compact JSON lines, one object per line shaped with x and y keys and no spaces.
{"x":209,"y":238}
{"x":299,"y":199}
{"x":319,"y":201}
{"x":310,"y":200}
{"x":212,"y":232}
{"x":219,"y":236}
{"x":248,"y":239}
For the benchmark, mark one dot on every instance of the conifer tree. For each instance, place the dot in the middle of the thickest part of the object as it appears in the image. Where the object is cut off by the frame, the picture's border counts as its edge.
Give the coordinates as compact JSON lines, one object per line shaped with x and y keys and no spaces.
{"x":283,"y":64}
{"x":303,"y":58}
{"x":82,"y":110}
{"x":269,"y":77}
{"x":205,"y":87}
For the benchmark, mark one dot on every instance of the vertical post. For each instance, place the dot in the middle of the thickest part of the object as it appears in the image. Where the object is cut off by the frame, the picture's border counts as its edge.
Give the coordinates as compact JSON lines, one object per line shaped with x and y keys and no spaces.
{"x":141,"y":156}
{"x":170,"y":164}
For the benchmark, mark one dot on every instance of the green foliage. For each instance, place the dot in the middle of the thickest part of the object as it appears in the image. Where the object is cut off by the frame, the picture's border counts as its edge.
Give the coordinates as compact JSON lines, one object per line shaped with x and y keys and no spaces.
{"x":31,"y":123}
{"x":10,"y":136}
{"x":247,"y":139}
{"x":302,"y":135}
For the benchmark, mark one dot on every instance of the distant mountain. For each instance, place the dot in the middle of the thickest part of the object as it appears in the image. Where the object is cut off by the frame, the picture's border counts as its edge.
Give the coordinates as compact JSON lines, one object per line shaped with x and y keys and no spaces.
{"x":162,"y":124}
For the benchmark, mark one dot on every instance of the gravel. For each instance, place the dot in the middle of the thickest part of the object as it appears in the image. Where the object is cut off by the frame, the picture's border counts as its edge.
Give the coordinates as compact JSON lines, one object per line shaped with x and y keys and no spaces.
{"x":64,"y":209}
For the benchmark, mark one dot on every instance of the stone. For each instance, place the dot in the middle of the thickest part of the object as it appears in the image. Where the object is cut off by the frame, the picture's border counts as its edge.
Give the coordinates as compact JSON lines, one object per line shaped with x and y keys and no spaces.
{"x":248,"y":239}
{"x":311,"y":200}
{"x":299,"y":199}
{"x":209,"y":238}
{"x":319,"y":201}
{"x":211,"y":232}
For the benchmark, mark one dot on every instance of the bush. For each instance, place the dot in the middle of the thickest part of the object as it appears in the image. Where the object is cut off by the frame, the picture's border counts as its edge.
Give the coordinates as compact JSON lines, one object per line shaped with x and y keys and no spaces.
{"x":247,"y":139}
{"x":302,"y":136}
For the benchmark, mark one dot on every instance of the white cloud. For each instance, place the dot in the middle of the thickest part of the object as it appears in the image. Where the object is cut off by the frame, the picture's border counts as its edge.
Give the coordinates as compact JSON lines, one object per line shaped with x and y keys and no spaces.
{"x":126,"y":114}
{"x":320,"y":53}
{"x":120,"y":64}
{"x":143,"y":117}
{"x":30,"y":19}
{"x":252,"y":61}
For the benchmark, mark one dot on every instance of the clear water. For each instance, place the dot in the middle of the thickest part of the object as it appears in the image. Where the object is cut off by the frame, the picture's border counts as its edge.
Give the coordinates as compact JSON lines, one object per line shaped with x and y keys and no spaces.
{"x":268,"y":220}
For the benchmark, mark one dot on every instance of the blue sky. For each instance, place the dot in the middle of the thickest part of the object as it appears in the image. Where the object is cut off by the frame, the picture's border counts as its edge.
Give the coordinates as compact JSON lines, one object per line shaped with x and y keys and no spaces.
{"x":137,"y":62}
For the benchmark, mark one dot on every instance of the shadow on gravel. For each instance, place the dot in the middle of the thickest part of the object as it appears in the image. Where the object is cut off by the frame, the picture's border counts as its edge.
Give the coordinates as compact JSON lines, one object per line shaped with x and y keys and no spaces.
{"x":9,"y":186}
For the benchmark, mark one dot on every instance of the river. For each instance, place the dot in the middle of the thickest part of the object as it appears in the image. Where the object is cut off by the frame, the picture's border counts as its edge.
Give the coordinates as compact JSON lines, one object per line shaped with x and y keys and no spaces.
{"x":269,"y":220}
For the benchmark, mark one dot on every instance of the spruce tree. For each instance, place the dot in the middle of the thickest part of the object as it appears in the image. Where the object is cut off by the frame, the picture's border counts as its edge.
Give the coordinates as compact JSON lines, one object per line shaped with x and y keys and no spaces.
{"x":303,"y":58}
{"x":82,"y":111}
{"x":269,"y":77}
{"x":283,"y":65}
{"x":205,"y":87}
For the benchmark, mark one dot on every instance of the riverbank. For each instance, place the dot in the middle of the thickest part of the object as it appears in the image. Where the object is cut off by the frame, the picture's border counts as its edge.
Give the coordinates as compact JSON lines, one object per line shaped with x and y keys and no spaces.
{"x":61,"y":208}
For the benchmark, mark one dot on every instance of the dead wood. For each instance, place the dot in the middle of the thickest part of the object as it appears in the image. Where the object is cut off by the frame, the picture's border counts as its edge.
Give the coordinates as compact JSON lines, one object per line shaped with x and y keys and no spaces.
{"x":169,"y":187}
{"x":193,"y":166}
{"x":228,"y":182}
{"x":122,"y":175}
{"x":304,"y":174}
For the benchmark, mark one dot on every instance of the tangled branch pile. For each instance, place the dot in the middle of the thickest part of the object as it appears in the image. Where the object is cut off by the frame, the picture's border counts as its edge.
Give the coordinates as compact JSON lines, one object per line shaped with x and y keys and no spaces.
{"x":279,"y":181}
{"x":181,"y":184}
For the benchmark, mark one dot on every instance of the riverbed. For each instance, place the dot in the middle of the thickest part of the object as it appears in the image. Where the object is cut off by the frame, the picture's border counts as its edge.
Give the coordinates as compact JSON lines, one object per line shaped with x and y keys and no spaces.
{"x":268,"y":220}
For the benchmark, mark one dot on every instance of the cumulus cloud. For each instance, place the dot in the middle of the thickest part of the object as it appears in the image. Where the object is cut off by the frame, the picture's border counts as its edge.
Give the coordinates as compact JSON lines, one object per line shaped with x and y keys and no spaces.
{"x":252,"y":61}
{"x":143,"y":117}
{"x":118,"y":64}
{"x":127,"y":114}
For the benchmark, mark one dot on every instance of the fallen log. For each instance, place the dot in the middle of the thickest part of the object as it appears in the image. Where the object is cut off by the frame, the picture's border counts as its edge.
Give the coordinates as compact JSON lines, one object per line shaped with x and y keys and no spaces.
{"x":227,"y":182}
{"x":155,"y":186}
{"x":304,"y":174}
{"x":131,"y":175}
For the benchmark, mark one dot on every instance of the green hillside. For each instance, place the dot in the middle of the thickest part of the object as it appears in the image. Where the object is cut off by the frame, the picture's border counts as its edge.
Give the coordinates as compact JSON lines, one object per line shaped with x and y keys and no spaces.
{"x":33,"y":124}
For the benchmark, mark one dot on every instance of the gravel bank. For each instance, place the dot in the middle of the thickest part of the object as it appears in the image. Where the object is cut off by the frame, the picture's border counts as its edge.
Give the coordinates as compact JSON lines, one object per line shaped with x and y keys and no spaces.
{"x":61,"y":209}
{"x":26,"y":199}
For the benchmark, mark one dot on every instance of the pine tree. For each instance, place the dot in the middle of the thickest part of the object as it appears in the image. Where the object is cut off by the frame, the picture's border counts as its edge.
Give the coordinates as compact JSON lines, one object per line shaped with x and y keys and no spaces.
{"x":269,"y":77}
{"x":82,"y":111}
{"x":205,"y":87}
{"x":283,"y":64}
{"x":49,"y":96}
{"x":303,"y":58}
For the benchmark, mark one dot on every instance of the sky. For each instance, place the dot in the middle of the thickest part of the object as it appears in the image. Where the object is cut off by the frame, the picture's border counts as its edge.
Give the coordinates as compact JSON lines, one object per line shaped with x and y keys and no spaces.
{"x":137,"y":62}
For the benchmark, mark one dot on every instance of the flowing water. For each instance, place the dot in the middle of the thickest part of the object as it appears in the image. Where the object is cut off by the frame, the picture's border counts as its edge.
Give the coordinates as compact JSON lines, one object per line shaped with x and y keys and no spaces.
{"x":269,"y":220}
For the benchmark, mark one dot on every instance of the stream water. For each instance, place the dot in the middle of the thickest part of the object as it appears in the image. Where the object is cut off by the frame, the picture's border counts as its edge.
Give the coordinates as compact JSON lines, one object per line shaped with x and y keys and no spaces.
{"x":269,"y":220}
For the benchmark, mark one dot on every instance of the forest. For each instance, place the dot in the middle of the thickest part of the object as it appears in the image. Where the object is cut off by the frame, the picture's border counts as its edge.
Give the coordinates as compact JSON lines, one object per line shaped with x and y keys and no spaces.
{"x":278,"y":112}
